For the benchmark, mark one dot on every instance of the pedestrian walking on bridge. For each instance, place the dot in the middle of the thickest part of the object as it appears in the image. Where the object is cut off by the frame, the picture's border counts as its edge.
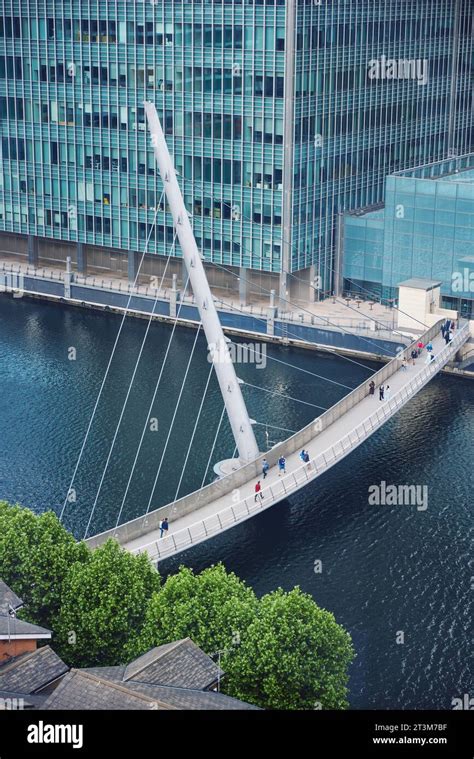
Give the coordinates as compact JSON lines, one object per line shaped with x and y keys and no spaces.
{"x":258,"y":492}
{"x":164,"y":526}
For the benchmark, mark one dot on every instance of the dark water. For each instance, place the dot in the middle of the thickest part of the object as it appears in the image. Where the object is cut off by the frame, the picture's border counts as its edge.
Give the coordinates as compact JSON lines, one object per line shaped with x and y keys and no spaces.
{"x":387,"y":571}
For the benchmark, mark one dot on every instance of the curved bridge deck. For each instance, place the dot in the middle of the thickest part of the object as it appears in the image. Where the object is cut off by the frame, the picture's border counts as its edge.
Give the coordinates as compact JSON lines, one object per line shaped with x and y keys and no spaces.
{"x":328,"y":439}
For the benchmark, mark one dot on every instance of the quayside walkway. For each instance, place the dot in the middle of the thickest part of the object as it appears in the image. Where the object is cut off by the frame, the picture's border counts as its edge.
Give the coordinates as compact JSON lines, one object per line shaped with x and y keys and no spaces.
{"x":328,"y":439}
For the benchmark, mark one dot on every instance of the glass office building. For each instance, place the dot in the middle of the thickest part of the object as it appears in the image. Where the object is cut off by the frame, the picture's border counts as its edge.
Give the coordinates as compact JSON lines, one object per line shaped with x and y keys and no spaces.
{"x":425,"y":230}
{"x":279,"y":115}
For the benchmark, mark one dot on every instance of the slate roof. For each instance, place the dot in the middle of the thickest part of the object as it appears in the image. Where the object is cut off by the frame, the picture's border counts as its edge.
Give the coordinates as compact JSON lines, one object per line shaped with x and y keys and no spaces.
{"x":180,"y":663}
{"x":32,"y":671}
{"x":83,"y":690}
{"x":177,"y":675}
{"x":17,"y":628}
{"x":188,"y":698}
{"x":115,"y":674}
{"x":8,"y":597}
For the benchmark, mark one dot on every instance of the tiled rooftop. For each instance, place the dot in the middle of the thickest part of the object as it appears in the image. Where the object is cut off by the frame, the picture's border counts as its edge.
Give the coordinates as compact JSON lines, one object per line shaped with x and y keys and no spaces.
{"x":31,"y":672}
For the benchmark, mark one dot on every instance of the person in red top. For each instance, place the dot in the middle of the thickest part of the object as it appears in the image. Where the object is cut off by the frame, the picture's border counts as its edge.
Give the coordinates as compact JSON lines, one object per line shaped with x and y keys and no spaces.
{"x":258,"y":491}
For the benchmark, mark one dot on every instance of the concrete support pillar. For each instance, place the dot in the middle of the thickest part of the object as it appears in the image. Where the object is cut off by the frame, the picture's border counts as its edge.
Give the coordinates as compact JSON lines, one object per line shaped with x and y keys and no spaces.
{"x":315,"y":285}
{"x":243,"y":286}
{"x":68,"y":278}
{"x":174,"y":296}
{"x":271,"y":314}
{"x":33,"y":255}
{"x":283,"y":294}
{"x":132,"y":265}
{"x":338,"y":283}
{"x":81,"y":253}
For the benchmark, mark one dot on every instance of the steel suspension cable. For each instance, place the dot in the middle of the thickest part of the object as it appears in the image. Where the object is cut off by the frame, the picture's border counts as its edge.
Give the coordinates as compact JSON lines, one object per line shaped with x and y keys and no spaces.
{"x":173,"y":419}
{"x":306,"y":371}
{"x":117,"y":338}
{"x":298,"y":337}
{"x":283,"y":429}
{"x":301,"y":308}
{"x":193,"y":433}
{"x":284,"y":395}
{"x":293,"y":245}
{"x":213,"y":446}
{"x":150,"y":408}
{"x":124,"y":405}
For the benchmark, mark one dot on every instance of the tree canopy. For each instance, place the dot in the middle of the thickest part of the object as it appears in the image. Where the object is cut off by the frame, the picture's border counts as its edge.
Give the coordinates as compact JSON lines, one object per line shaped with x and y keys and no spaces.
{"x":36,"y":552}
{"x":213,"y":608}
{"x":279,"y":652}
{"x":293,"y":655}
{"x":107,"y":606}
{"x":103,"y":606}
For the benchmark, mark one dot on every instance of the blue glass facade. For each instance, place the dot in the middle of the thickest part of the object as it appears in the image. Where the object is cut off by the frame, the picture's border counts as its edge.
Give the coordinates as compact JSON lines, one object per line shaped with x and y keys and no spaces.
{"x":268,"y":108}
{"x":426,"y":230}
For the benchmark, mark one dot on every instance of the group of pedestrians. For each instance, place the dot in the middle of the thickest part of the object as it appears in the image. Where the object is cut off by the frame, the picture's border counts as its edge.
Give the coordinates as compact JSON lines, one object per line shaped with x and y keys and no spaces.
{"x":304,"y":456}
{"x":384,"y":391}
{"x":417,"y":351}
{"x":447,"y":330}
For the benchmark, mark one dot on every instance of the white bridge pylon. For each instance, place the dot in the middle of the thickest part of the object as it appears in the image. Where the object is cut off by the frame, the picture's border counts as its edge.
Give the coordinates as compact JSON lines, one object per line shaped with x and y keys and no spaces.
{"x":228,"y":382}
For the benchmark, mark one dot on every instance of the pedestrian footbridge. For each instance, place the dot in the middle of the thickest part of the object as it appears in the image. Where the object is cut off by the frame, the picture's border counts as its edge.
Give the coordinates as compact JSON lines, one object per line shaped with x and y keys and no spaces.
{"x":330,"y":437}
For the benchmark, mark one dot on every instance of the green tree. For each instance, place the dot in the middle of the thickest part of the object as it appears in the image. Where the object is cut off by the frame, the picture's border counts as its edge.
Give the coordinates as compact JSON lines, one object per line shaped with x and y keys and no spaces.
{"x":213,"y":608}
{"x":103,"y":606}
{"x":36,"y":552}
{"x":293,"y":655}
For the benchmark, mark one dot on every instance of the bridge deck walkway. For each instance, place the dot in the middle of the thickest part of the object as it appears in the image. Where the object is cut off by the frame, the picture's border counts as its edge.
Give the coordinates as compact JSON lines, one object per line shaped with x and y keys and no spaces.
{"x":366,"y":416}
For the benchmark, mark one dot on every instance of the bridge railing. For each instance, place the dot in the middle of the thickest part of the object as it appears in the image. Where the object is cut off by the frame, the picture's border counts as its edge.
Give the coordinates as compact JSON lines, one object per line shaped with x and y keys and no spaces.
{"x":291,"y":482}
{"x":141,"y":525}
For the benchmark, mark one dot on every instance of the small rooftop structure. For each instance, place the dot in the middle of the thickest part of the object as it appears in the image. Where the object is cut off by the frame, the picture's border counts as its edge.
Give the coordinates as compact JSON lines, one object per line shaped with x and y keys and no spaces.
{"x":419,"y":283}
{"x":16,"y":636}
